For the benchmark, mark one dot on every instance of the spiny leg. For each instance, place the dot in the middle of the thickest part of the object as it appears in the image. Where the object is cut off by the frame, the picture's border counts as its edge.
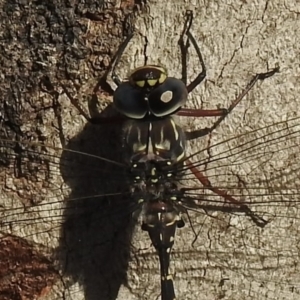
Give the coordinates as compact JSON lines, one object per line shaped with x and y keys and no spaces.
{"x":129,"y":33}
{"x":117,"y":58}
{"x":228,"y":198}
{"x":75,"y":102}
{"x":199,"y":78}
{"x":223,"y":113}
{"x":96,"y":120}
{"x":115,"y":78}
{"x":184,"y":47}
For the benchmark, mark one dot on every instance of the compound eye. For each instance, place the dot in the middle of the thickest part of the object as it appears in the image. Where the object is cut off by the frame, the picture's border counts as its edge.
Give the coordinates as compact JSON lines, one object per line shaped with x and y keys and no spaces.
{"x":167,"y":97}
{"x":130,"y":101}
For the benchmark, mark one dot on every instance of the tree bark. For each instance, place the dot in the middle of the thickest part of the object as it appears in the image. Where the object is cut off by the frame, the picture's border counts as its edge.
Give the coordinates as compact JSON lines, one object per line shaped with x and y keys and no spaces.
{"x":97,"y":253}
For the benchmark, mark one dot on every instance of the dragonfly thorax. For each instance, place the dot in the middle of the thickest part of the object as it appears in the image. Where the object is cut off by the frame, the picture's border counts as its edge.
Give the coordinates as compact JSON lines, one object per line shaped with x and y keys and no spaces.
{"x":155,"y":179}
{"x":160,"y":140}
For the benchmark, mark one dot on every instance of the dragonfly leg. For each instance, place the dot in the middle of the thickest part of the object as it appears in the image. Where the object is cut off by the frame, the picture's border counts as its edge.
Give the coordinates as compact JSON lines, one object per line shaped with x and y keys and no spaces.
{"x":116,"y":79}
{"x":184,"y":47}
{"x":228,"y":198}
{"x":116,"y":59}
{"x":95,"y":120}
{"x":222,"y":113}
{"x":103,"y":85}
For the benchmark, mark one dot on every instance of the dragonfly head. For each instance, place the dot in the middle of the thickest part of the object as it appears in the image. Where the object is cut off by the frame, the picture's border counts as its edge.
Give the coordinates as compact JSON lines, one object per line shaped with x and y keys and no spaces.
{"x":149,"y":91}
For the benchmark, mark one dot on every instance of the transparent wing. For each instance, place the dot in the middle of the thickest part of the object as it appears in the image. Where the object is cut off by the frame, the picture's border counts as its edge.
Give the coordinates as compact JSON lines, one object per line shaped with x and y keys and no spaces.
{"x":74,"y":208}
{"x":231,"y":257}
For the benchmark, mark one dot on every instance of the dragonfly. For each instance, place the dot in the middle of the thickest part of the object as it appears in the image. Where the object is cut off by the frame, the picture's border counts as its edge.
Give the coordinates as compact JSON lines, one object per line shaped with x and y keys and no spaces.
{"x":91,"y":215}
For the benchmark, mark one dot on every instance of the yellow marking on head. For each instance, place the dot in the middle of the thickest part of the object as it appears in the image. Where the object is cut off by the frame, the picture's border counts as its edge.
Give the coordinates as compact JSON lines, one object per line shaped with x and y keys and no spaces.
{"x":140,"y":201}
{"x":166,"y":97}
{"x":162,"y":69}
{"x":162,"y":77}
{"x":152,"y":82}
{"x":140,"y":83}
{"x":139,"y":68}
{"x":154,"y":180}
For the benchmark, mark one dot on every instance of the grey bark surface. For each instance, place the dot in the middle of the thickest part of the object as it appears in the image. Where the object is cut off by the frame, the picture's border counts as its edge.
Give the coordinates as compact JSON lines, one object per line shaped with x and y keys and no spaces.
{"x":237,"y":40}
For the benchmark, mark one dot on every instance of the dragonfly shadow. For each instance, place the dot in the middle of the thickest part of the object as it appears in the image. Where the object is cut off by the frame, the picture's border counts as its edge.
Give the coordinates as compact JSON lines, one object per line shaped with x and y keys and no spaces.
{"x":97,"y":228}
